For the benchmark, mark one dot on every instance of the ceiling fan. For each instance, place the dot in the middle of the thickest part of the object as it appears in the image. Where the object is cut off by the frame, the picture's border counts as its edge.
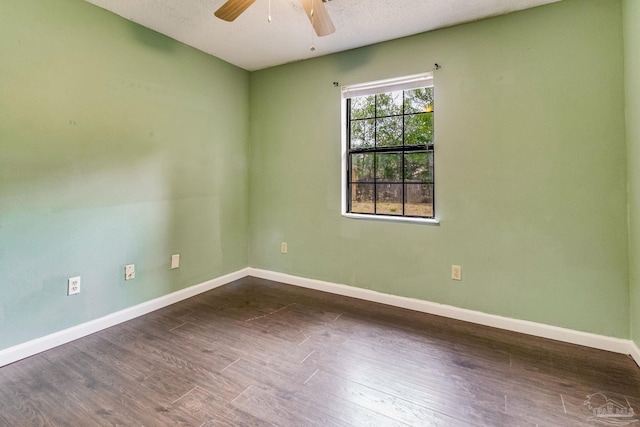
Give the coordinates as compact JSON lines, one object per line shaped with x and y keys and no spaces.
{"x":315,"y":9}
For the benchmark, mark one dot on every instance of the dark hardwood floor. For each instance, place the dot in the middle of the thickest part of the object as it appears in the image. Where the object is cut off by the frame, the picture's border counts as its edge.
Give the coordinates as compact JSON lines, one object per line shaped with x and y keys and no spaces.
{"x":256,"y":353}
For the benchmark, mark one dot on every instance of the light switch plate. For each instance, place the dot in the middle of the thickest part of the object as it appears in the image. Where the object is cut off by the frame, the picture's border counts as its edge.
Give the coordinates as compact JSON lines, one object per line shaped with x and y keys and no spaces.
{"x":129,"y":272}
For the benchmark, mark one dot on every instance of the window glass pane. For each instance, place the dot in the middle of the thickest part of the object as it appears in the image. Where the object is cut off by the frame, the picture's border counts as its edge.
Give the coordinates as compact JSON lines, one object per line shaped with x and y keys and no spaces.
{"x":419,"y":200}
{"x":362,"y":167}
{"x":389,"y":199}
{"x":390,"y":148}
{"x":363,"y":107}
{"x":362,"y":198}
{"x":389,"y":131}
{"x":418,"y":167}
{"x":362,"y":133}
{"x":389,"y":104}
{"x":418,"y":100}
{"x":389,"y":167}
{"x":418,"y":129}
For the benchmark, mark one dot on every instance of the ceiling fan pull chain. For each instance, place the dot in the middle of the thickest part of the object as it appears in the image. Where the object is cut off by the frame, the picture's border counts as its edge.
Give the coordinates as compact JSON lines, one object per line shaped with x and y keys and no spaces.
{"x":312,"y":48}
{"x":269,"y":13}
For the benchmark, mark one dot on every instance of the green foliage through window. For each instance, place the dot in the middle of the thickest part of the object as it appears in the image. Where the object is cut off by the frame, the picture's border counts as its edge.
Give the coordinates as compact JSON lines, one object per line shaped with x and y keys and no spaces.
{"x":390,"y":153}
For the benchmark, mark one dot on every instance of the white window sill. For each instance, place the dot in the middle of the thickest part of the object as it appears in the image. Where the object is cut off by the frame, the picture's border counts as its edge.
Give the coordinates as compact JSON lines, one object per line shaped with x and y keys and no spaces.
{"x":431,"y":221}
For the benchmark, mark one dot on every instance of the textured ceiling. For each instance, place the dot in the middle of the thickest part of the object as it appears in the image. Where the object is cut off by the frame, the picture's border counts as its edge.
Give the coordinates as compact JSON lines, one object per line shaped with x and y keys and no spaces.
{"x":252,"y":43}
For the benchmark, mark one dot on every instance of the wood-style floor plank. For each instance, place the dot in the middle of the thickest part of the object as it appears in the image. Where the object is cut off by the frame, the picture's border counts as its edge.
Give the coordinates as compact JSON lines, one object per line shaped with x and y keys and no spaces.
{"x":260,"y":353}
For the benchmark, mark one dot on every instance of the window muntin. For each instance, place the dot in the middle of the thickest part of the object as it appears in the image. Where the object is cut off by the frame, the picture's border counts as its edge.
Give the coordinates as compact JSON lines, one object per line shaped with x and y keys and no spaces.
{"x":389,"y":148}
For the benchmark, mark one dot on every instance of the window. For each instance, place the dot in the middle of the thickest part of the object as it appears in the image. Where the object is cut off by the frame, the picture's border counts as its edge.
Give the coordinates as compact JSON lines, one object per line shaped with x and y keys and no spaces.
{"x":388,"y":148}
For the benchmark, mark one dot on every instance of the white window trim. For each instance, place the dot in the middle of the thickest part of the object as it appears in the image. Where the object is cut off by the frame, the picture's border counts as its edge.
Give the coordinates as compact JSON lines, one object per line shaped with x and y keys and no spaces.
{"x":390,"y":85}
{"x":388,"y":218}
{"x":348,"y":91}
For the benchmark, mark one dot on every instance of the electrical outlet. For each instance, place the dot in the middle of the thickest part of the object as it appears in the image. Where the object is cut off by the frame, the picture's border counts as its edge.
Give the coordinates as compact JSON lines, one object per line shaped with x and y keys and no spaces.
{"x":129,"y":272}
{"x":456,"y":272}
{"x":283,"y":247}
{"x":73,"y":285}
{"x":175,"y":261}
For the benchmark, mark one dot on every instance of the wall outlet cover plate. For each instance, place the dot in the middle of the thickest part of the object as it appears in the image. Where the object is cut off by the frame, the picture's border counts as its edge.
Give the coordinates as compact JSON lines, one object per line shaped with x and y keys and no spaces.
{"x":456,"y":272}
{"x":175,"y":261}
{"x":73,"y":285}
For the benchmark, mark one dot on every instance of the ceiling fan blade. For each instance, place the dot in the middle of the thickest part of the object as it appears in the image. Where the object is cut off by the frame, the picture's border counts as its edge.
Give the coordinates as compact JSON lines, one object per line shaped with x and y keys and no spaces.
{"x":232,"y":9}
{"x":319,"y":17}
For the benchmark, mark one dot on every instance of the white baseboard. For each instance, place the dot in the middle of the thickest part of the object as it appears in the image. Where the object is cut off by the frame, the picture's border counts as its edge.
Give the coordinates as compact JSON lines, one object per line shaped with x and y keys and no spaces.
{"x":635,"y":352}
{"x":30,"y":348}
{"x":602,"y":342}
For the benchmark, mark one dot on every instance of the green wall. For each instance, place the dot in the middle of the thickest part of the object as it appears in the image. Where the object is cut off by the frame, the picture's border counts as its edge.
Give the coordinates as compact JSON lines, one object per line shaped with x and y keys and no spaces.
{"x":118,"y":145}
{"x":530,"y":170}
{"x":631,"y":9}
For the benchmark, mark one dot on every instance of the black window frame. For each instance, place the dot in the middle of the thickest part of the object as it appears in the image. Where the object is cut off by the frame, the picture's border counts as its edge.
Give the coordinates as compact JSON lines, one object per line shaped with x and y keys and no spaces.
{"x":402,"y":149}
